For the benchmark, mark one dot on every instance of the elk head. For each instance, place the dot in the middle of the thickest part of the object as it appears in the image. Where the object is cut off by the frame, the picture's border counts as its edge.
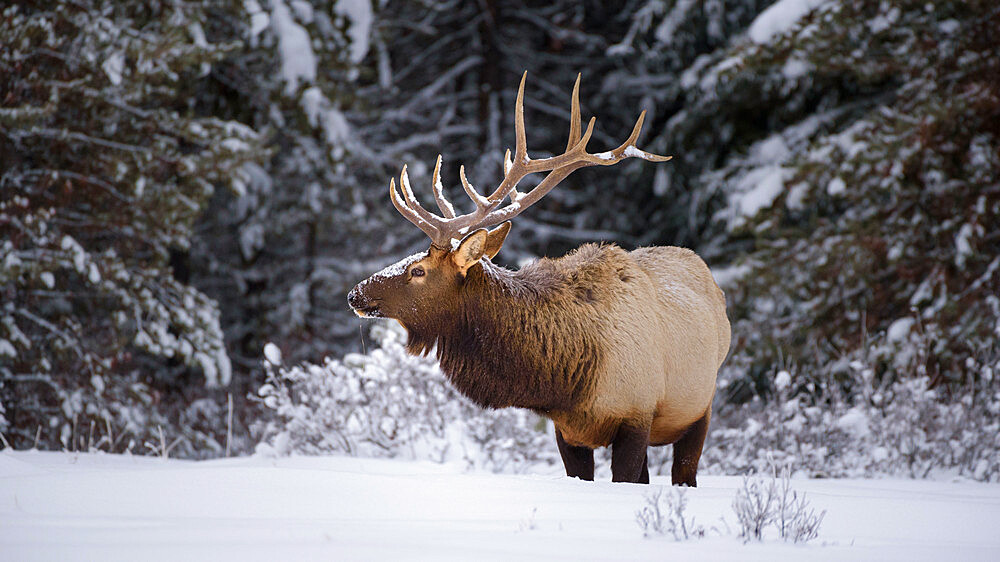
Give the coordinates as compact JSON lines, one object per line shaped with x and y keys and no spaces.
{"x":419,"y":285}
{"x":410,"y":288}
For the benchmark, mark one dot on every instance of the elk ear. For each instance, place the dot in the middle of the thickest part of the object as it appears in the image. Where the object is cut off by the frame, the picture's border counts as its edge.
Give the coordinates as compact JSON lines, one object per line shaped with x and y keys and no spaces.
{"x":495,"y":238}
{"x":470,"y":251}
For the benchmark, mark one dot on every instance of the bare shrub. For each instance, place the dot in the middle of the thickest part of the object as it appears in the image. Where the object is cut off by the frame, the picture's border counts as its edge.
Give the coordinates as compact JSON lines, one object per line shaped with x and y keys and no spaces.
{"x":663,"y":514}
{"x":761,"y":503}
{"x":796,"y":521}
{"x":755,"y":507}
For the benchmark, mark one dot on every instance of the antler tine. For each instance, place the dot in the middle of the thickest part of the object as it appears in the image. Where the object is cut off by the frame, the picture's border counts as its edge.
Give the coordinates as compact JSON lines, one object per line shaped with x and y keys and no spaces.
{"x":411,"y":200}
{"x":634,"y":135}
{"x":514,"y":172}
{"x":520,"y":138}
{"x":481,"y":202}
{"x":630,"y":143}
{"x":574,"y":118}
{"x":410,"y":215}
{"x":442,"y":202}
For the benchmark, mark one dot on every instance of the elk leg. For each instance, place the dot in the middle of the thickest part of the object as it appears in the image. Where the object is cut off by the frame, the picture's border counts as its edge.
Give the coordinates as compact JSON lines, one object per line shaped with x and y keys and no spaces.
{"x":628,"y":455}
{"x":579,"y":461}
{"x":687,"y":452}
{"x":644,"y":477}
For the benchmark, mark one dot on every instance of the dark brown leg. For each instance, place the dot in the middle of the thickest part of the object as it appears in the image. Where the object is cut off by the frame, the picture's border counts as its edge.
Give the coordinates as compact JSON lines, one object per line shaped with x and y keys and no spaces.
{"x":628,"y":455}
{"x":687,"y":452}
{"x":644,"y":477}
{"x":579,"y":461}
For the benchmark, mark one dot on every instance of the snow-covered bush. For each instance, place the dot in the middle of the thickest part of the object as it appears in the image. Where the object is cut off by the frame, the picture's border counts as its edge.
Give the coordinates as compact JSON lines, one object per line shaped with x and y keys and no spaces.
{"x":387,"y":403}
{"x":868,"y":415}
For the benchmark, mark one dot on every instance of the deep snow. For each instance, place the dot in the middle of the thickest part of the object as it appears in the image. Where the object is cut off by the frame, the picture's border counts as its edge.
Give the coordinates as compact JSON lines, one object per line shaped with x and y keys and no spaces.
{"x":65,"y":506}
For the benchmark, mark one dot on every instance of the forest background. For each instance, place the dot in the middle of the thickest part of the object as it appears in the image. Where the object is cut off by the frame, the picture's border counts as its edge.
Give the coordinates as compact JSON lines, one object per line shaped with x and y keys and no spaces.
{"x":183,"y":182}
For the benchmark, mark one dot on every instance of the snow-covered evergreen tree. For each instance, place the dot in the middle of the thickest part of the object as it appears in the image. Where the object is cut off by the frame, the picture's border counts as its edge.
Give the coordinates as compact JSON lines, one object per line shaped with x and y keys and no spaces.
{"x":279,"y":257}
{"x":105,"y":164}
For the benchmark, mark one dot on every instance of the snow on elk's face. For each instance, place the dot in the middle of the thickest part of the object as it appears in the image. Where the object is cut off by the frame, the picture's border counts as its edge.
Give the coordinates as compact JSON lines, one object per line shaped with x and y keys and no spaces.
{"x":413,"y":287}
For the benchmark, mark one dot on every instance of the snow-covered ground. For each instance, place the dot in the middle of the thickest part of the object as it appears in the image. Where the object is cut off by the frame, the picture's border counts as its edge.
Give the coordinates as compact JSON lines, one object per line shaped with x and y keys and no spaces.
{"x":63,"y":506}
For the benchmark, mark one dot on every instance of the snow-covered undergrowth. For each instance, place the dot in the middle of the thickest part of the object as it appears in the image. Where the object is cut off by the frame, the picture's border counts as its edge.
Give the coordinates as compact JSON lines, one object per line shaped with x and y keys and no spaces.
{"x":866,"y":420}
{"x":65,"y":506}
{"x":387,"y":403}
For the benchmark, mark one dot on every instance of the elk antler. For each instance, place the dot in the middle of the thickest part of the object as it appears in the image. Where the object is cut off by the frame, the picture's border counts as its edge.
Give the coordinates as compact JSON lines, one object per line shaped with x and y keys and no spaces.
{"x":442,"y":229}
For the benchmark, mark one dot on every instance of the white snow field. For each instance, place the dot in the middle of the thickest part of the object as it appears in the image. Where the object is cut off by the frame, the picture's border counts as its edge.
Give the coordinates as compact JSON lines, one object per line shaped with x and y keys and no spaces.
{"x":65,"y":506}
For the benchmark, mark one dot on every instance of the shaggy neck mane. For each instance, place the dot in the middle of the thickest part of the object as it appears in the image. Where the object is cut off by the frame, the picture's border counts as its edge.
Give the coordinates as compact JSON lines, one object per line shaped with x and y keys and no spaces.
{"x":512,"y":340}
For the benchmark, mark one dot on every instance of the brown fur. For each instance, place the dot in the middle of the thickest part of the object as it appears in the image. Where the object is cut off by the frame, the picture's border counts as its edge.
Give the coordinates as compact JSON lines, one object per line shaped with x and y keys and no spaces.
{"x":518,"y":338}
{"x":613,"y":346}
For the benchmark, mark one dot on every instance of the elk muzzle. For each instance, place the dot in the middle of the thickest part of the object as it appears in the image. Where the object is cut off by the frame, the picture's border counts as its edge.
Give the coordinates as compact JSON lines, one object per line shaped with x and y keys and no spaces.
{"x":362,"y":305}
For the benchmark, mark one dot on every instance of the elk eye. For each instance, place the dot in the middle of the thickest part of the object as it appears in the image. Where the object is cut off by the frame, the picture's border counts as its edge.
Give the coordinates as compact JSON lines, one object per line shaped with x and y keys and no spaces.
{"x":417,"y":271}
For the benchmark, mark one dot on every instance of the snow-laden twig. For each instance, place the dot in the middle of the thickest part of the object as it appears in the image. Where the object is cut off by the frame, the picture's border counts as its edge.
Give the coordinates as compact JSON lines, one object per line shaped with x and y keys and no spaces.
{"x":765,"y":502}
{"x":664,"y":513}
{"x":229,"y":422}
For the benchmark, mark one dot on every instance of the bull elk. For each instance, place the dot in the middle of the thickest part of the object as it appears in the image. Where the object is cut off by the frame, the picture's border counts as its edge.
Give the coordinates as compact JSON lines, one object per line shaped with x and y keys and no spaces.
{"x":617,"y":348}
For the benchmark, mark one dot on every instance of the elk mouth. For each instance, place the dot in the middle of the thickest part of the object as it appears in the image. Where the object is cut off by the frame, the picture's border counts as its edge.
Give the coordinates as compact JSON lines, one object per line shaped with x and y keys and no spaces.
{"x":370,"y":311}
{"x":361,"y":305}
